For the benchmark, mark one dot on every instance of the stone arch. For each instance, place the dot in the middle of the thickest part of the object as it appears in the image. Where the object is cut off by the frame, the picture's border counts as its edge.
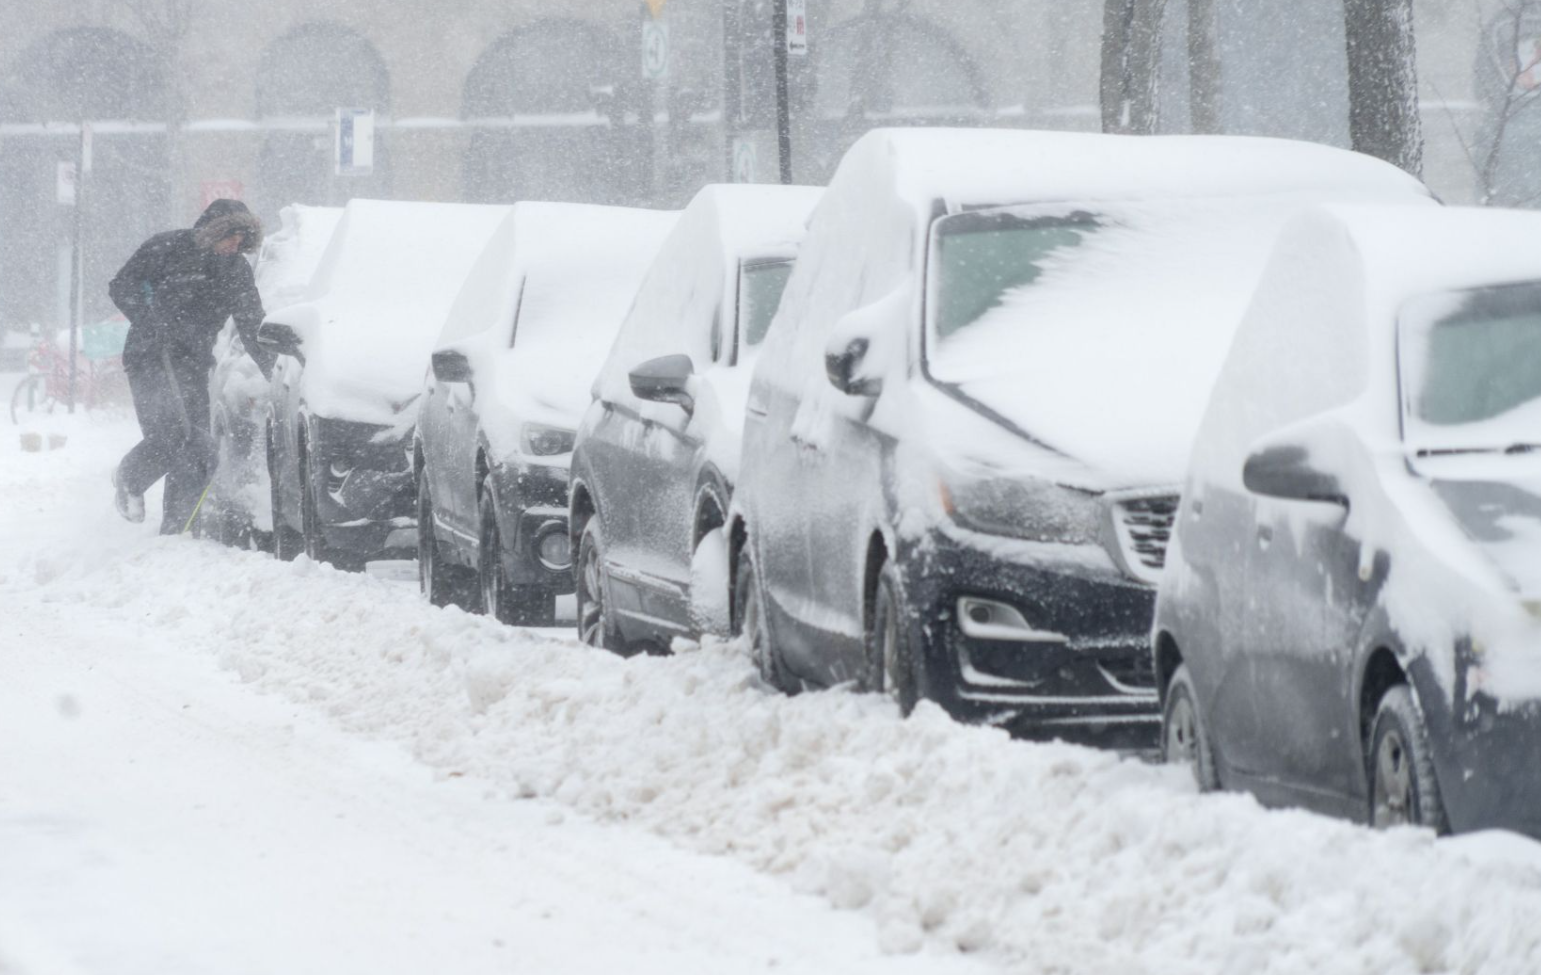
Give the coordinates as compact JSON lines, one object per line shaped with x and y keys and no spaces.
{"x":552,"y":96}
{"x":91,"y":74}
{"x":305,"y":75}
{"x":883,"y":68}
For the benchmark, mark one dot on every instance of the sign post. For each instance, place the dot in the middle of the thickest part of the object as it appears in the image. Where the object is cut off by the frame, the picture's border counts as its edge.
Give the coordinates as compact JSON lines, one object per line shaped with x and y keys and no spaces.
{"x":82,"y":167}
{"x":781,"y":29}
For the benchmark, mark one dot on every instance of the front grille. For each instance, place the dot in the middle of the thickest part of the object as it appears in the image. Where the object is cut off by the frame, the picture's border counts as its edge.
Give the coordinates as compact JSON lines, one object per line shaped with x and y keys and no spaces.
{"x":1144,"y":526}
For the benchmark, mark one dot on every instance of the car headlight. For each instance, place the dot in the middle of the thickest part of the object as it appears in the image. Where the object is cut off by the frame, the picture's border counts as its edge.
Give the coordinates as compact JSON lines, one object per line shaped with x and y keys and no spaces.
{"x":1033,"y":510}
{"x":543,"y":441}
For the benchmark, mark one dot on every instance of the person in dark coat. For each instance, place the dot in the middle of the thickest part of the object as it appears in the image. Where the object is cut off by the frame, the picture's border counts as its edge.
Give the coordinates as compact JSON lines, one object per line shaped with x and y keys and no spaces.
{"x":177,"y":292}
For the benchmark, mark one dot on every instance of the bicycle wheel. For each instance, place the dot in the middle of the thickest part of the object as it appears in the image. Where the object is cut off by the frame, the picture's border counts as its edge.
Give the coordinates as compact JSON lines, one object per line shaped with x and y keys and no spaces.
{"x":31,"y":396}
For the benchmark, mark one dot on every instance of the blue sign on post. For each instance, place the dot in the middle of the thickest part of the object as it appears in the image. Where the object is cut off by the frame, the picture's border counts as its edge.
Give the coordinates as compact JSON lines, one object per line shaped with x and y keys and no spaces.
{"x":355,"y":141}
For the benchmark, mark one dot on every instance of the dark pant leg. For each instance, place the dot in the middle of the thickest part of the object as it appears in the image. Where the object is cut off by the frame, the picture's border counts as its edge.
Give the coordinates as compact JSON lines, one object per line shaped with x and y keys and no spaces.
{"x":157,"y":406}
{"x":192,"y":461}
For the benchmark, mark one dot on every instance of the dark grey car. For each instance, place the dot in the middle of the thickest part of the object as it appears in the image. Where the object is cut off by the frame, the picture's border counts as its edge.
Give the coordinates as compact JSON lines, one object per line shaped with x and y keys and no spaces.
{"x":657,"y":452}
{"x":1349,"y":617}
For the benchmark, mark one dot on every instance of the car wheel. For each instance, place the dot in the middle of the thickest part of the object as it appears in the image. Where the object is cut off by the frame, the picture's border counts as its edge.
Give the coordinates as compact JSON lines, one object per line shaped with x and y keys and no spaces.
{"x":749,"y":623}
{"x":1403,"y":789}
{"x":595,"y":626}
{"x":1184,"y":739}
{"x":890,"y":654}
{"x":287,"y":543}
{"x":514,"y":605}
{"x":310,"y":523}
{"x":438,"y":581}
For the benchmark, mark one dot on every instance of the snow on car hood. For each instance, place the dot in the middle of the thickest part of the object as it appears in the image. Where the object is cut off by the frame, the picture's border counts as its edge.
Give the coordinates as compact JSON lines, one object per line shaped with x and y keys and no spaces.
{"x":377,"y":301}
{"x":1503,"y":519}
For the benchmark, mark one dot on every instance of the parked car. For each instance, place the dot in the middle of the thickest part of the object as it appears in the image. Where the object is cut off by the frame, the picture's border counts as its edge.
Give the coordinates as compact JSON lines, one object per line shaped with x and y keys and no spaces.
{"x":511,"y":377}
{"x":343,"y":397}
{"x":1350,"y":616}
{"x":966,"y":427}
{"x":238,"y":508}
{"x":657,"y":451}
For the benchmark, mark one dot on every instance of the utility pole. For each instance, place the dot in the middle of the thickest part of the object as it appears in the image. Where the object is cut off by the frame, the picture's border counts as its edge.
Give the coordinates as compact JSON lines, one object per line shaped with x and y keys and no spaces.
{"x":77,"y":270}
{"x":783,"y":90}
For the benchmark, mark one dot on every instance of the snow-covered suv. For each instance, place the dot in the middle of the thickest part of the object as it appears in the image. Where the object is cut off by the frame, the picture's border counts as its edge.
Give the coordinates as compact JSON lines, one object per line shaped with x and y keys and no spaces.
{"x":966,"y":428}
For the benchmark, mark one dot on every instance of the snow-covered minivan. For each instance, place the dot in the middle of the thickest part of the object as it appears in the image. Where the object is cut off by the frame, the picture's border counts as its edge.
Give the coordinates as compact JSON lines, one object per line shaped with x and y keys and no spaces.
{"x":1350,"y":616}
{"x":966,"y":428}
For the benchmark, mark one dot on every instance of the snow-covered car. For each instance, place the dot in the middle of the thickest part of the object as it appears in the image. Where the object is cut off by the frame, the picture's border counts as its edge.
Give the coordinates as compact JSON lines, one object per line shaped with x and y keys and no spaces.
{"x":657,"y":451}
{"x":966,"y":428}
{"x":1350,"y":616}
{"x":238,"y":508}
{"x":511,"y":376}
{"x":352,"y":354}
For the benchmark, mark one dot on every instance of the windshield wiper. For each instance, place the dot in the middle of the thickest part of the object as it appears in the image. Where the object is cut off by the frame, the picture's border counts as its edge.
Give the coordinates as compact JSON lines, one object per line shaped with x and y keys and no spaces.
{"x":1514,"y":448}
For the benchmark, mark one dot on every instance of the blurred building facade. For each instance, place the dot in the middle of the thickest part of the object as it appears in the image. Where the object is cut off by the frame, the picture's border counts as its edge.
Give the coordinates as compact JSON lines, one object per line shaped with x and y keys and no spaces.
{"x":621,"y":101}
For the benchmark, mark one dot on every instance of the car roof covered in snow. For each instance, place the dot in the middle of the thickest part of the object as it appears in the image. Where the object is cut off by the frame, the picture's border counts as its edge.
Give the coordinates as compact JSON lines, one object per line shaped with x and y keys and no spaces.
{"x":377,"y":299}
{"x":696,"y":272}
{"x":564,"y":274}
{"x":986,"y":167}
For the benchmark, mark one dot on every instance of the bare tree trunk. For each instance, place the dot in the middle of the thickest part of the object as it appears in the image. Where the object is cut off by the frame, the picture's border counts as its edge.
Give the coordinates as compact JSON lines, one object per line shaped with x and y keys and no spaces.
{"x":1383,"y":116}
{"x":1131,"y":64}
{"x":1203,"y":67}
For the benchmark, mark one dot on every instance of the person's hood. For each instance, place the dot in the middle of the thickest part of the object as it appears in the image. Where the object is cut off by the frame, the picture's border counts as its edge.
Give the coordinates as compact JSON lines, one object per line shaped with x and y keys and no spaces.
{"x":223,"y":218}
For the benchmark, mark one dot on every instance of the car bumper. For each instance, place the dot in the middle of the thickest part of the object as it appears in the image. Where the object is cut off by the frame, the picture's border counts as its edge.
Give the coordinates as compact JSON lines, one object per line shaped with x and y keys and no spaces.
{"x":532,"y":508}
{"x":366,"y":495}
{"x":1083,"y":669}
{"x":1488,"y":760}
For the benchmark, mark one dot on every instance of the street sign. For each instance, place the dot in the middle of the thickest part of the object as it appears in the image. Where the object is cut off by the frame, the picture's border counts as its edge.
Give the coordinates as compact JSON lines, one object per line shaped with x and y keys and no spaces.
{"x":655,"y":49}
{"x":64,"y":183}
{"x":797,"y":28}
{"x":219,"y":189}
{"x":355,"y":149}
{"x":745,"y":160}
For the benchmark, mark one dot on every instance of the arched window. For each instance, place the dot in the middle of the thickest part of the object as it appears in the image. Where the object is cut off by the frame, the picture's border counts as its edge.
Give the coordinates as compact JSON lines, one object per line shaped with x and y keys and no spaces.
{"x":888,"y":69}
{"x":304,"y":77}
{"x":84,"y":74}
{"x":552,"y":97}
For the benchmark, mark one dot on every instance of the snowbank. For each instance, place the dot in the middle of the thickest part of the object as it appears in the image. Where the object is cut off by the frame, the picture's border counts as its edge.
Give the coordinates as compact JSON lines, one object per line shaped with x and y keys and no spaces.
{"x":1041,"y":858}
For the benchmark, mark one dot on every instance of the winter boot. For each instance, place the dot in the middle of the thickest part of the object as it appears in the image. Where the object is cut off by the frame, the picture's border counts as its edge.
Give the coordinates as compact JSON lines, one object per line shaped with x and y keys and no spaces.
{"x":129,"y":505}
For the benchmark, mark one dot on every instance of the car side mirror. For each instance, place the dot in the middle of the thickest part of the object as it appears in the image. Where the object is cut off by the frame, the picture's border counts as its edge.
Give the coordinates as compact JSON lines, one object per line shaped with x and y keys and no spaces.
{"x":665,"y":380}
{"x":845,"y":370}
{"x":451,"y":366}
{"x":280,"y":339}
{"x":1285,"y":471}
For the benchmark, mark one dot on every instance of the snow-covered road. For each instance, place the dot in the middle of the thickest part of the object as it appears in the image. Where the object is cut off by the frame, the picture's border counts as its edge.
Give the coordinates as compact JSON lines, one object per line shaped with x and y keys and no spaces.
{"x":210,"y":761}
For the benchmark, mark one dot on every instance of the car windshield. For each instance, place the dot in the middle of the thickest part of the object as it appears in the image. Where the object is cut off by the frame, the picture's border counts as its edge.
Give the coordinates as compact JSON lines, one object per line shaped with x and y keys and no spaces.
{"x":1469,"y":369}
{"x":759,"y":295}
{"x":982,"y":257}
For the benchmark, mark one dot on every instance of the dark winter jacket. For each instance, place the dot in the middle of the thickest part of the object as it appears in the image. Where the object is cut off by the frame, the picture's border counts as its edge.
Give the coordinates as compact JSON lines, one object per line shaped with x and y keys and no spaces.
{"x":177,"y":293}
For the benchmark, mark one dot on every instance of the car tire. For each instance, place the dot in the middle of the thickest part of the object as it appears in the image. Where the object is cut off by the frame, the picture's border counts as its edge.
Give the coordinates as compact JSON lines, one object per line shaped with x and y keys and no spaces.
{"x":595,"y":624}
{"x":439,"y":581}
{"x":891,"y":663}
{"x":749,"y":623}
{"x":1184,"y":737}
{"x":287,"y":543}
{"x":514,"y":605}
{"x":1400,"y":766}
{"x":311,"y":535}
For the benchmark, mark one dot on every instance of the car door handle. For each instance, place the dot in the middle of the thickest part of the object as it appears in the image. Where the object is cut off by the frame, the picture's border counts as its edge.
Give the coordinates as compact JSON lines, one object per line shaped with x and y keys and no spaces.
{"x":756,"y":410}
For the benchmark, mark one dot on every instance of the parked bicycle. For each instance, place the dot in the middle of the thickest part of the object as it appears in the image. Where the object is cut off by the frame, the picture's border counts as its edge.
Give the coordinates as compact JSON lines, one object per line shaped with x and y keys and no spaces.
{"x":100,"y":381}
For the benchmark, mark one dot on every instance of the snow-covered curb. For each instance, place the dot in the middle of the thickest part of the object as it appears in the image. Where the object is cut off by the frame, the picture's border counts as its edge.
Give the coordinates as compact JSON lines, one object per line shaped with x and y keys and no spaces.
{"x":1047,"y":858}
